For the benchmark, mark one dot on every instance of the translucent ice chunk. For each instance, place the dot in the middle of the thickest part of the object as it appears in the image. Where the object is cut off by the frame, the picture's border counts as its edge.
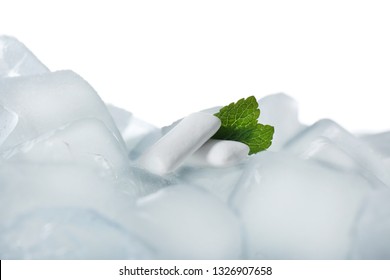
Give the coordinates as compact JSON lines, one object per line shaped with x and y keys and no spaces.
{"x":372,"y":231}
{"x":48,"y":101}
{"x":137,"y":134}
{"x":327,"y":152}
{"x":221,"y":182}
{"x":308,"y":144}
{"x":323,"y":128}
{"x":69,"y":233}
{"x":379,"y":142}
{"x":147,"y":183}
{"x":143,"y":144}
{"x":121,"y":117}
{"x":387,"y":163}
{"x":186,"y":223}
{"x":25,"y":187}
{"x":85,"y":141}
{"x":17,"y":60}
{"x":280,"y":111}
{"x":8,"y":121}
{"x":297,"y":209}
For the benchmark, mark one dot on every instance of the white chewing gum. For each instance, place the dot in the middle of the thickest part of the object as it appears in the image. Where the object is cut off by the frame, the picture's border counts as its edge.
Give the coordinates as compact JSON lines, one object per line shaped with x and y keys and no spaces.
{"x":179,"y":143}
{"x":220,"y":153}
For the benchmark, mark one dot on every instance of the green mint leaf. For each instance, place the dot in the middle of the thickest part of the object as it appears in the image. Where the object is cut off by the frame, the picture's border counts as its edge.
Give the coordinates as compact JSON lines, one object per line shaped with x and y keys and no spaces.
{"x":239,"y":123}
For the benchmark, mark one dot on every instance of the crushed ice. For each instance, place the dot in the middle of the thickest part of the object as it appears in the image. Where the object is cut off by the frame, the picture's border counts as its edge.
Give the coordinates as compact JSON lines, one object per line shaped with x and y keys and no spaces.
{"x":71,"y":186}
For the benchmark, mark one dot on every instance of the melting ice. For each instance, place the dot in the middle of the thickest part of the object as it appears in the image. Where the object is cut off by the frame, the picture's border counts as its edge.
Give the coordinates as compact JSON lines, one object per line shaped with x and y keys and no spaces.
{"x":71,"y":186}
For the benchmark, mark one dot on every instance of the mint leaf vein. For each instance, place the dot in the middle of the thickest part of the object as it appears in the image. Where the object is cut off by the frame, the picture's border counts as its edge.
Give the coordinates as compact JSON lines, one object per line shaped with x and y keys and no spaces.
{"x":239,"y":123}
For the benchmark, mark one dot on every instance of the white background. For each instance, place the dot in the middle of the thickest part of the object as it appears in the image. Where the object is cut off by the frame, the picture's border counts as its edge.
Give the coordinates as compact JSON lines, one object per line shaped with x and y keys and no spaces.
{"x":103,"y":270}
{"x":162,"y":60}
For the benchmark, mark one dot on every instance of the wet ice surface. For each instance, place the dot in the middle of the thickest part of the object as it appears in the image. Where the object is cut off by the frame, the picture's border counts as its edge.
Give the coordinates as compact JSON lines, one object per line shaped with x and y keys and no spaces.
{"x":71,"y":186}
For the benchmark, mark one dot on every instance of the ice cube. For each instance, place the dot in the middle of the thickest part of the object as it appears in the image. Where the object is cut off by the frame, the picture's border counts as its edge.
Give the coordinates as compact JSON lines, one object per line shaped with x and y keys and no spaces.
{"x":387,"y":163}
{"x":69,"y":233}
{"x":280,"y":111}
{"x":17,"y":60}
{"x":220,"y":182}
{"x":297,"y":209}
{"x":182,"y":222}
{"x":137,"y":134}
{"x":322,"y":128}
{"x":48,"y":101}
{"x":147,"y":182}
{"x":25,"y":187}
{"x":372,"y":231}
{"x":143,"y":144}
{"x":380,"y":142}
{"x":8,"y":121}
{"x":121,"y":117}
{"x":345,"y":144}
{"x":85,"y":141}
{"x":327,"y":152}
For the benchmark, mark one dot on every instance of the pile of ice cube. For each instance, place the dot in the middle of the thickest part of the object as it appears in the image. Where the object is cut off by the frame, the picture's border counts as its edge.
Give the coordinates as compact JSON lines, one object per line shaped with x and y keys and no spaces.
{"x":71,"y":188}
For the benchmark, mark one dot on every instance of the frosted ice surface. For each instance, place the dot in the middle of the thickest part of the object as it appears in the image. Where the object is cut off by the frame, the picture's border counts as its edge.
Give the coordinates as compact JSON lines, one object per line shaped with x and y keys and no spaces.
{"x":379,"y":142}
{"x":8,"y":121}
{"x":187,"y":223}
{"x":121,"y":117}
{"x":84,"y":141}
{"x":69,"y":233}
{"x":323,"y":128}
{"x":25,"y":187}
{"x":280,"y":111}
{"x":17,"y":60}
{"x":327,"y":152}
{"x":48,"y":101}
{"x":147,"y":183}
{"x":310,"y":143}
{"x":137,"y":134}
{"x":372,"y":232}
{"x":144,"y":144}
{"x":297,"y":209}
{"x":220,"y":182}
